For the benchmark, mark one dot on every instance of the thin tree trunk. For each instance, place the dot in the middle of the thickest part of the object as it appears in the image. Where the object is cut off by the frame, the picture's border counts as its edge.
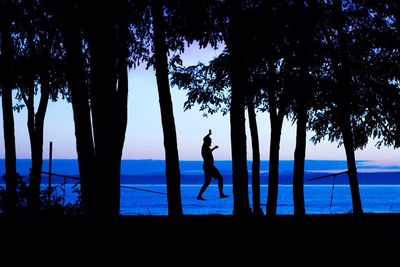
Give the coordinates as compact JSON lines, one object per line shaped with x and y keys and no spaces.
{"x":8,"y":116}
{"x":80,"y":106}
{"x":351,"y":164}
{"x":299,"y":160}
{"x":122,"y":90}
{"x":343,"y":91}
{"x":167,"y":117}
{"x":273,"y":176}
{"x":10,"y":154}
{"x":36,"y":127}
{"x":255,"y":175}
{"x":303,"y":37}
{"x":241,"y":205}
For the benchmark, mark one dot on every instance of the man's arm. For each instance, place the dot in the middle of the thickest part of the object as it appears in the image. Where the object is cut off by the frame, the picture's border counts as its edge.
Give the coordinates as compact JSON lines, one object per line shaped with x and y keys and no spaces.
{"x":209,"y":133}
{"x":214,"y":148}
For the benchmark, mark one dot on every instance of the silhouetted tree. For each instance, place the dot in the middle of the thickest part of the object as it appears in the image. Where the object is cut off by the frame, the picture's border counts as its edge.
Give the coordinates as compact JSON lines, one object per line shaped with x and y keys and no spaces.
{"x":167,"y":117}
{"x":7,"y":11}
{"x":344,"y":87}
{"x":274,"y":66}
{"x":255,"y":167}
{"x":357,"y":80}
{"x":97,"y":45}
{"x":250,"y":43}
{"x":182,"y":23}
{"x":71,"y":16}
{"x":382,"y":101}
{"x":39,"y":65}
{"x":237,"y":109}
{"x":303,"y":21}
{"x":107,"y":43}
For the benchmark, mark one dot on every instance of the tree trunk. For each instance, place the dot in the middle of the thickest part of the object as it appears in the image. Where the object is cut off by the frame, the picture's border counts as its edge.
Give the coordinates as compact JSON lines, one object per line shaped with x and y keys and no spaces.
{"x":8,"y":116}
{"x":122,"y":90}
{"x":276,"y":128}
{"x":344,"y":93}
{"x":80,"y":106}
{"x":36,"y":128}
{"x":241,"y":206}
{"x":303,"y":27}
{"x":103,"y":66}
{"x":351,"y":164}
{"x":299,"y":159}
{"x":255,"y":174}
{"x":167,"y":117}
{"x":10,"y":154}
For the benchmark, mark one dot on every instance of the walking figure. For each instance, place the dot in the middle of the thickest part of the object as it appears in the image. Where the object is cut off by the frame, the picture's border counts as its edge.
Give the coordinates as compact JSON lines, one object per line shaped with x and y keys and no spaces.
{"x":209,"y":169}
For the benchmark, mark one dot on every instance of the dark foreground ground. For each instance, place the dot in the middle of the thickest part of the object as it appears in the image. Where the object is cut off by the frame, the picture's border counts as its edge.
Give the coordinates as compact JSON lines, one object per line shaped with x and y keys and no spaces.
{"x":200,"y":240}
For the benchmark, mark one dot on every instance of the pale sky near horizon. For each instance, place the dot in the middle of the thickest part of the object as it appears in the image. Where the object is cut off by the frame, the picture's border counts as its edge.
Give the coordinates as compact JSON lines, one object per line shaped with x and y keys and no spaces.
{"x":144,"y":138}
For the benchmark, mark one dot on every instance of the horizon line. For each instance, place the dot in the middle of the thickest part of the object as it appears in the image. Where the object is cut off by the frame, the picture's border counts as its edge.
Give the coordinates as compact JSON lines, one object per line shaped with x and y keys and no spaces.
{"x":149,"y":159}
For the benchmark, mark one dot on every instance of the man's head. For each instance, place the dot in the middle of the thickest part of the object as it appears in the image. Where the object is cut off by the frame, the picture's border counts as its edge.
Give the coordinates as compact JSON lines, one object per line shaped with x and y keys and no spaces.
{"x":207,"y":140}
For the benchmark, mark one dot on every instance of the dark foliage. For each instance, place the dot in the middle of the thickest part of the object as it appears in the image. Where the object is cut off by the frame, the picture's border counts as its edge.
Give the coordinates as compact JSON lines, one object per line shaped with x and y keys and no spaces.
{"x":52,"y":199}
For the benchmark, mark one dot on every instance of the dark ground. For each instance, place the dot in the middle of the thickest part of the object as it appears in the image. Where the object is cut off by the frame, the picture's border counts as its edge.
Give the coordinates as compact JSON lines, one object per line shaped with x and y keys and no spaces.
{"x":199,"y":240}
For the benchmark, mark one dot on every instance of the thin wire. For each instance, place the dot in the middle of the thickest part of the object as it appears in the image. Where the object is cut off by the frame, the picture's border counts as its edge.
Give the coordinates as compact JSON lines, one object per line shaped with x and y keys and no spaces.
{"x":140,"y":189}
{"x":128,"y":187}
{"x":326,"y":176}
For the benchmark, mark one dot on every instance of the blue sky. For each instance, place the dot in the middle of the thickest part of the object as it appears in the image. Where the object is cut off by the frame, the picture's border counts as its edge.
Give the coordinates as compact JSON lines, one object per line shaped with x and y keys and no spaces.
{"x":144,"y":139}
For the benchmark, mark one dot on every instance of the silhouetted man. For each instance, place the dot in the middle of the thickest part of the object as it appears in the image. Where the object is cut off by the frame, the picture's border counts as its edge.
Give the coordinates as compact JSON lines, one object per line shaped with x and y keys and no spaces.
{"x":209,"y":169}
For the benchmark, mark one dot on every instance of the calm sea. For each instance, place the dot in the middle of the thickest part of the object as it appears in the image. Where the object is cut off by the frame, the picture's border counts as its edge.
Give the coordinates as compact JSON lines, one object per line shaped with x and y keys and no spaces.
{"x":319,"y":199}
{"x":153,"y":171}
{"x":146,"y":195}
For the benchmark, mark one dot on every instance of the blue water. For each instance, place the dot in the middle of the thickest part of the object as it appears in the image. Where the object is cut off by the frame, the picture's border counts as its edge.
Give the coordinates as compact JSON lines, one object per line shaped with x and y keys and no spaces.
{"x":155,"y":167}
{"x":153,"y":171}
{"x":379,"y":186}
{"x":375,"y":199}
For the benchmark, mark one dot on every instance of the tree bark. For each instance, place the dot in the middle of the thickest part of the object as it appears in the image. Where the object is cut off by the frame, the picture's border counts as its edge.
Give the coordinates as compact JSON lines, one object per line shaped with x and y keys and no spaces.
{"x":299,"y":160}
{"x":122,"y":89}
{"x":36,"y":128}
{"x":7,"y":108}
{"x":80,"y":105}
{"x":241,"y":206}
{"x":102,"y":39}
{"x":36,"y":120}
{"x":273,"y":177}
{"x":351,"y":164}
{"x":303,"y":37}
{"x":344,"y":90}
{"x":255,"y":174}
{"x":167,"y":117}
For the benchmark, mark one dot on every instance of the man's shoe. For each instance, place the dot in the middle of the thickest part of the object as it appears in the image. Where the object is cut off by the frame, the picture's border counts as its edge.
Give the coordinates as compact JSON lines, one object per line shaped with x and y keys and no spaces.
{"x":223,"y":196}
{"x":200,"y":198}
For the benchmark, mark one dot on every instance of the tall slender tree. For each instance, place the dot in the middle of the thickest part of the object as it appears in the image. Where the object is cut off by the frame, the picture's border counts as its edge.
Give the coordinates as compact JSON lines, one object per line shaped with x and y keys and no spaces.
{"x":241,"y":206}
{"x":71,"y":19}
{"x":303,"y":23}
{"x":167,"y":117}
{"x":344,"y":87}
{"x":38,"y":68}
{"x":255,"y":167}
{"x":6,"y":85}
{"x":278,"y":104}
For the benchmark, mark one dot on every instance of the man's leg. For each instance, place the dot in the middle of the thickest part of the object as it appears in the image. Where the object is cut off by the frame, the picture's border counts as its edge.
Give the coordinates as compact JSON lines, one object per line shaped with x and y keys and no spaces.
{"x":207,"y":182}
{"x":220,"y":179}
